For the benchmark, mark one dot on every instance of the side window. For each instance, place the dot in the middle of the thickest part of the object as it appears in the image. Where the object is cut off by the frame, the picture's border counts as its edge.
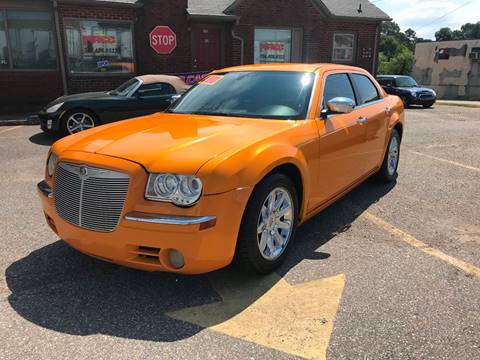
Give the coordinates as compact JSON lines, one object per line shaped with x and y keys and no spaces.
{"x":385,"y":82}
{"x":157,"y":89}
{"x":337,"y":85}
{"x":366,"y":90}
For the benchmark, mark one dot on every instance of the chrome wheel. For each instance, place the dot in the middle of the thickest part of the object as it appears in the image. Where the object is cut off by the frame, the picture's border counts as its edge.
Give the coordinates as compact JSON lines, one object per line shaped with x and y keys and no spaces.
{"x":393,"y":151}
{"x":78,"y":122}
{"x":275,"y":224}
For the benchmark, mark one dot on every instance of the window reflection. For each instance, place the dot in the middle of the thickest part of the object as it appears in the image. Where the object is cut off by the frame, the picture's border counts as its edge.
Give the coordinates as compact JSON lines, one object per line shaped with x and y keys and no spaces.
{"x":4,"y":62}
{"x":99,"y":46}
{"x":31,"y":39}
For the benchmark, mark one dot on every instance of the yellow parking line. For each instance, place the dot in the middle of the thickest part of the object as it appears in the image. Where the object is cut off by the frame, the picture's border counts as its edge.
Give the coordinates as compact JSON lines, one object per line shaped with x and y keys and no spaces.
{"x":469,"y":269}
{"x":10,"y":129}
{"x":446,"y":161}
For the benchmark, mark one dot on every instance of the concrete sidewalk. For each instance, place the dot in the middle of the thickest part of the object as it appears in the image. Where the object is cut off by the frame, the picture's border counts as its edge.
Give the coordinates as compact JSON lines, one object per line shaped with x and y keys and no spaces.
{"x":474,"y":104}
{"x":19,"y":119}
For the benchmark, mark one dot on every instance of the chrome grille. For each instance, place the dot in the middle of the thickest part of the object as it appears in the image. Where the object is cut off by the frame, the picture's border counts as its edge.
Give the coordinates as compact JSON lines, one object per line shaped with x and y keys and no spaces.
{"x":90,"y":197}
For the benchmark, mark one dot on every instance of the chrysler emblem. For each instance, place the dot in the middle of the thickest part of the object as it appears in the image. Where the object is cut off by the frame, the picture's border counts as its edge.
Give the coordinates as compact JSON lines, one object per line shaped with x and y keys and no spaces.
{"x":83,"y":171}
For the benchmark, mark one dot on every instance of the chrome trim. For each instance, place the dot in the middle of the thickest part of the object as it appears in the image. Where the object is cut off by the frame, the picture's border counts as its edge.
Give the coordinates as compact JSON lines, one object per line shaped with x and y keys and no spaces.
{"x":45,"y":189}
{"x":167,"y":219}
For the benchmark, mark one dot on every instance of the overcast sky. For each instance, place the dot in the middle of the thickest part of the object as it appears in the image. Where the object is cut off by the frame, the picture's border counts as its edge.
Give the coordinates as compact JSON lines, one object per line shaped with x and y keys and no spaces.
{"x":418,"y":14}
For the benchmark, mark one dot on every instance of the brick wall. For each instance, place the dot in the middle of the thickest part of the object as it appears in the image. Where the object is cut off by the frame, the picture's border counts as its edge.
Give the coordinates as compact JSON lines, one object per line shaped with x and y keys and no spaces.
{"x":25,"y":91}
{"x":318,"y":30}
{"x":167,"y":13}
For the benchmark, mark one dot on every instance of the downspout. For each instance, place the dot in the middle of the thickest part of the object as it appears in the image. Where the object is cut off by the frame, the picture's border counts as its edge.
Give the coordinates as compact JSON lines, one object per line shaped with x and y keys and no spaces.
{"x":236,"y":37}
{"x":60,"y":47}
{"x":375,"y":55}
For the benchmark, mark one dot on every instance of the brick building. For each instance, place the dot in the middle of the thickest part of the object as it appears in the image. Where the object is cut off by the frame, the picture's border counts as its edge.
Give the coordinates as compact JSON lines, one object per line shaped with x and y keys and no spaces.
{"x":52,"y":47}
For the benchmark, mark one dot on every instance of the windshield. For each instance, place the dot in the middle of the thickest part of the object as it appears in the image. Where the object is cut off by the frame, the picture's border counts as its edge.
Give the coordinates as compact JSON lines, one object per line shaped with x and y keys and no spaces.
{"x":406,"y":81}
{"x":126,"y":87}
{"x":257,"y":94}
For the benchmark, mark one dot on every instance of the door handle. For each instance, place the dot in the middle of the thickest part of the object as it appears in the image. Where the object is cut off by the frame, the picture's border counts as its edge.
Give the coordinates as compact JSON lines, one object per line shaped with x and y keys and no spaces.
{"x":362,"y":120}
{"x":388,"y":110}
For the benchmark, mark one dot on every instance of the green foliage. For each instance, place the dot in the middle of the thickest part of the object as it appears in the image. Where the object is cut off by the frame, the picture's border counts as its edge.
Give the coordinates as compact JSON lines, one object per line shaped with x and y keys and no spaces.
{"x":396,"y":49}
{"x":467,"y":31}
{"x":399,"y":64}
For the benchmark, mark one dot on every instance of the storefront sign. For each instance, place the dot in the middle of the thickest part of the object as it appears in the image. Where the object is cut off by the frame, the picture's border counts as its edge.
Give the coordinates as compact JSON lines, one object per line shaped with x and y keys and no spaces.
{"x":272,"y":52}
{"x":163,"y":40}
{"x":99,"y":44}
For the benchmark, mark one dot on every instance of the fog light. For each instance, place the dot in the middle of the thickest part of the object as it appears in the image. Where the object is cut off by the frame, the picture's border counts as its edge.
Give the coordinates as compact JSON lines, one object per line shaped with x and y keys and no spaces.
{"x":49,"y":124}
{"x":176,"y":259}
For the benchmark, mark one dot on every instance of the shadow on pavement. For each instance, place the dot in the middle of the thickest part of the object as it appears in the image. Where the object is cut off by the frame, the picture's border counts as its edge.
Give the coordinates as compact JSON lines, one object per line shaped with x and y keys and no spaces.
{"x":43,"y":139}
{"x":61,"y":289}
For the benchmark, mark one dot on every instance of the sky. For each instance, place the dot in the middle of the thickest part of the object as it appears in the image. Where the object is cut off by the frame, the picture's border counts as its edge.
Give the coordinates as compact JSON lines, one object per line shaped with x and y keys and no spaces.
{"x":419,"y":14}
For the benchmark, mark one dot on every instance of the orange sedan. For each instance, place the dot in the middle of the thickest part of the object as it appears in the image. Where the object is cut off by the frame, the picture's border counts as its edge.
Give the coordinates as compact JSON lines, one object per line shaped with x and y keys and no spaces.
{"x":231,"y":170}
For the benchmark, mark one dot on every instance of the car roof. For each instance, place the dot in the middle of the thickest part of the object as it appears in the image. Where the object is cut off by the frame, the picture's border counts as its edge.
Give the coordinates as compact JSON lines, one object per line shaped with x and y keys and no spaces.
{"x":289,"y":67}
{"x":179,"y":85}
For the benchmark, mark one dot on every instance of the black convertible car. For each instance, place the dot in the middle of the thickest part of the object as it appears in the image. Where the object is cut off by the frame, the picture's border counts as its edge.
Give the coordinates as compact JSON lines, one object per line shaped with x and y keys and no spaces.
{"x":408,"y":90}
{"x":139,"y":96}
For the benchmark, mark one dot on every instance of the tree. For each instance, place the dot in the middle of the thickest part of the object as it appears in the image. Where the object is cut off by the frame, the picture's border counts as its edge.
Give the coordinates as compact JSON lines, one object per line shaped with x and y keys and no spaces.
{"x":444,"y":34}
{"x":396,"y":49}
{"x":471,"y":31}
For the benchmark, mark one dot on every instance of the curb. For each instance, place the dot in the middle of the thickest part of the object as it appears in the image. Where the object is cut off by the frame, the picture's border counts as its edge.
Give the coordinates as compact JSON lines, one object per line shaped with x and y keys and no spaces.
{"x":30,"y":120}
{"x":446,"y":103}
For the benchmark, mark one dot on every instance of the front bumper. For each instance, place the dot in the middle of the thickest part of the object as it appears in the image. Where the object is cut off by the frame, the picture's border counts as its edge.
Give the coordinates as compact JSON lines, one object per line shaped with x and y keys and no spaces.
{"x":422,"y":100}
{"x":205,"y":234}
{"x":50,"y":122}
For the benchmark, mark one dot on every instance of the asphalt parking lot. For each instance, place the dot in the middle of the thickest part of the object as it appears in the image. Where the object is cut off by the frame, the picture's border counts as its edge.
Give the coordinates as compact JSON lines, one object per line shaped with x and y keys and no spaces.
{"x":388,"y":272}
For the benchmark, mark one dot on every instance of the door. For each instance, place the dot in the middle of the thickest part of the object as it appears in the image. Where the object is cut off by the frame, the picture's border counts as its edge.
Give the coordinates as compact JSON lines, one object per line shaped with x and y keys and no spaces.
{"x":206,"y":47}
{"x":376,"y":117}
{"x":342,"y":142}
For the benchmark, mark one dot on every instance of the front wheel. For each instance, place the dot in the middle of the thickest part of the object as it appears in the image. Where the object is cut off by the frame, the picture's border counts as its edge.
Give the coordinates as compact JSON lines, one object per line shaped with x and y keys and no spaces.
{"x":77,"y":120}
{"x":268,"y":225}
{"x":388,"y":171}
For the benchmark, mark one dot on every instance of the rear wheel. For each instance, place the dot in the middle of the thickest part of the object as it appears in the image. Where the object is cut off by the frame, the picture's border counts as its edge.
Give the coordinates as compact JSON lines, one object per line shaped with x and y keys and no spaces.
{"x":388,"y":171}
{"x":268,"y":225}
{"x":77,"y":120}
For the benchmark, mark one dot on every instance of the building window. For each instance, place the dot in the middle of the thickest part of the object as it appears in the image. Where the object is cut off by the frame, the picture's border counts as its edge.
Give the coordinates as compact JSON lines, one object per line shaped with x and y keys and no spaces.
{"x":273,"y":46}
{"x":4,"y":61}
{"x":343,"y":47}
{"x":27,"y":38}
{"x":99,"y":46}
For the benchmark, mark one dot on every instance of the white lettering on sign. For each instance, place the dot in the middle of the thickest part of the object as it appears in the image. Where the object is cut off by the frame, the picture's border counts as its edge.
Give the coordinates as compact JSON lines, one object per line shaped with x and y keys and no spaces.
{"x":163,"y":40}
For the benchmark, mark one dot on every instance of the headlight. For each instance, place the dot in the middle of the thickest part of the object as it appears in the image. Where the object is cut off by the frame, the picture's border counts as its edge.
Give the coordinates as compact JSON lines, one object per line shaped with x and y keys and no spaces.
{"x":54,"y":108}
{"x":434,"y":93}
{"x":182,"y":190}
{"x":51,"y":162}
{"x":414,"y":93}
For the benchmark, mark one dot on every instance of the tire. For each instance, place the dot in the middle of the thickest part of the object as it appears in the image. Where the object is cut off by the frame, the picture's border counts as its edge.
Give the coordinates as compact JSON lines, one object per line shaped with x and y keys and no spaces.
{"x":388,"y":171}
{"x":428,"y":105}
{"x":249,"y":255}
{"x":90,"y":120}
{"x":405,"y":101}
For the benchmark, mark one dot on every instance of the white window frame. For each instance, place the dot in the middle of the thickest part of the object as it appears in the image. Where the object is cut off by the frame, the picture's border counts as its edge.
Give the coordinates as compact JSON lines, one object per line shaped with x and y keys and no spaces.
{"x":345,"y":61}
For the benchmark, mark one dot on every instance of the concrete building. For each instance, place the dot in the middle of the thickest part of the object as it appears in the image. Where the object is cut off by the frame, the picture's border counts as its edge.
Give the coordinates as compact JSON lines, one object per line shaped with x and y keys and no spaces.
{"x":52,"y":47}
{"x":452,"y":68}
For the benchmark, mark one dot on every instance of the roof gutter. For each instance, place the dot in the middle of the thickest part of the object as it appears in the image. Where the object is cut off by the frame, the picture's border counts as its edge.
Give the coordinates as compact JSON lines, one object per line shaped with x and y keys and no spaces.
{"x":241,"y":40}
{"x":105,"y":3}
{"x":61,"y":58}
{"x":220,"y":18}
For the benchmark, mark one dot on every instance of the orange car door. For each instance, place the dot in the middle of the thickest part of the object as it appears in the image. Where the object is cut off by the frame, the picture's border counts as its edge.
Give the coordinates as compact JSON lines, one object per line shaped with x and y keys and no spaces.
{"x":342,"y":142}
{"x":375,"y":119}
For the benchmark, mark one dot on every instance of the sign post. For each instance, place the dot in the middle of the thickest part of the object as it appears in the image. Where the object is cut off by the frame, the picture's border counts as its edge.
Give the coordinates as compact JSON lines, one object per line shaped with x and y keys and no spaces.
{"x":163,"y":40}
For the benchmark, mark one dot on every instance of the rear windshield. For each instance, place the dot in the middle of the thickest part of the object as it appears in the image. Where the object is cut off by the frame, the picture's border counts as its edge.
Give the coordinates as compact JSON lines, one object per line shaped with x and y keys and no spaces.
{"x":255,"y":94}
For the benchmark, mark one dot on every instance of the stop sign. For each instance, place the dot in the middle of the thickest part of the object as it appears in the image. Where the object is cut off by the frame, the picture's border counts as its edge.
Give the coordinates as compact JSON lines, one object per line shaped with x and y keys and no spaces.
{"x":163,"y":40}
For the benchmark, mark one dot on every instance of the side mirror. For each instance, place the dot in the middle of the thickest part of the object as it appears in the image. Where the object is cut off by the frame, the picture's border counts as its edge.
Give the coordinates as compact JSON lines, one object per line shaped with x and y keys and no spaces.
{"x":340,"y":105}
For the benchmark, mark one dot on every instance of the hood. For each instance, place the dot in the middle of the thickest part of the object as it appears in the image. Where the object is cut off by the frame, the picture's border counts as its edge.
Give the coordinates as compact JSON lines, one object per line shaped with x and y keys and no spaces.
{"x":82,"y":96}
{"x":172,"y":142}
